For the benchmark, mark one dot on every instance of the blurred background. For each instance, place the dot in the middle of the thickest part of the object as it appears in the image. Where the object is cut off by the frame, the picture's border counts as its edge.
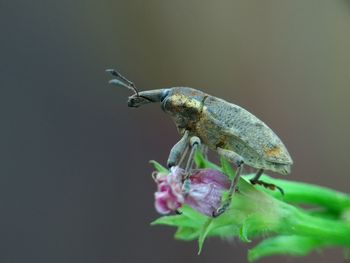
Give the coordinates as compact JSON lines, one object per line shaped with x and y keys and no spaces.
{"x":75,"y":182}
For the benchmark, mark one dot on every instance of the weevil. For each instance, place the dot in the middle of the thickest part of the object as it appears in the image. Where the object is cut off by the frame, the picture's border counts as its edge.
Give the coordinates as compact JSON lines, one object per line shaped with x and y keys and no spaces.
{"x":228,"y":129}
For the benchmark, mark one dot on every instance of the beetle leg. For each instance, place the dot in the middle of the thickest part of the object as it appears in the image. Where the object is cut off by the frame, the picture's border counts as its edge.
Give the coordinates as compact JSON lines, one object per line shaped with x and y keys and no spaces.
{"x":255,"y":180}
{"x":231,"y":156}
{"x":183,"y":156}
{"x":257,"y":176}
{"x":195,"y":142}
{"x":178,"y":151}
{"x":238,"y":161}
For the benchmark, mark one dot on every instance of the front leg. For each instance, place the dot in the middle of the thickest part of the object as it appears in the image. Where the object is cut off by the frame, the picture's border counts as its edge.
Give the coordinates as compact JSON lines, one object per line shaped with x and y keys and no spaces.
{"x":195,"y":142}
{"x":238,"y":161}
{"x":178,"y":150}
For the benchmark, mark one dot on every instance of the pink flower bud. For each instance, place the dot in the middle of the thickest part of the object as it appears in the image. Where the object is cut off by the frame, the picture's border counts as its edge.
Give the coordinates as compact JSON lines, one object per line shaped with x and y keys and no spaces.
{"x":204,"y":195}
{"x":169,"y":196}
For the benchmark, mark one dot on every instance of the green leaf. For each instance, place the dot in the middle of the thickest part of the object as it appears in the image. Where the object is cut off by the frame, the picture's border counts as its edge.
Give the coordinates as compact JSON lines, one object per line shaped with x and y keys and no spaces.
{"x":227,"y":231}
{"x":186,"y":233}
{"x":160,"y":168}
{"x":193,"y":215}
{"x":243,"y":232}
{"x":176,"y":220}
{"x":284,"y":245}
{"x":199,"y":159}
{"x":188,"y":218}
{"x":204,"y":233}
{"x":202,"y":163}
{"x":227,"y":168}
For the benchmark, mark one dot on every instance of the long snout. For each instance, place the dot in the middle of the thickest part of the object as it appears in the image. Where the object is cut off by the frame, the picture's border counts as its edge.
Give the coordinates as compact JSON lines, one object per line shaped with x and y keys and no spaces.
{"x":145,"y":97}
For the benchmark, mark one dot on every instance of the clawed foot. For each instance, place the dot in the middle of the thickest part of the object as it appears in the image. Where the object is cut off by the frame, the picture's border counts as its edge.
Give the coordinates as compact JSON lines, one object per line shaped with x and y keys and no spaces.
{"x":267,"y":185}
{"x":221,"y":209}
{"x":178,"y":212}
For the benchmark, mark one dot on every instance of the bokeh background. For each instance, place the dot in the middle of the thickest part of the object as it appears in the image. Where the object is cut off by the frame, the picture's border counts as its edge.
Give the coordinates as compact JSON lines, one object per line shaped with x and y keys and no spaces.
{"x":75,"y":181}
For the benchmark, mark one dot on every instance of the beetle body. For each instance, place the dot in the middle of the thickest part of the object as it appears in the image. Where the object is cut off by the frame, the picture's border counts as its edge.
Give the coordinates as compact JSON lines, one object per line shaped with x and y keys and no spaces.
{"x":220,"y":124}
{"x":226,"y":128}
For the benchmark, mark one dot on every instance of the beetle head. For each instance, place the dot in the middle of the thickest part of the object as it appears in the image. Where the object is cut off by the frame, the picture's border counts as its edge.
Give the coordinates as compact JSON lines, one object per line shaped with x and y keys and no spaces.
{"x":138,"y":98}
{"x":183,"y":104}
{"x":145,"y":97}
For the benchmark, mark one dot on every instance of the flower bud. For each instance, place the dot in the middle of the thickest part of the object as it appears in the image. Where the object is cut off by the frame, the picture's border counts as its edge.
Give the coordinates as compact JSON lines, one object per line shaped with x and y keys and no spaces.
{"x":203,"y":193}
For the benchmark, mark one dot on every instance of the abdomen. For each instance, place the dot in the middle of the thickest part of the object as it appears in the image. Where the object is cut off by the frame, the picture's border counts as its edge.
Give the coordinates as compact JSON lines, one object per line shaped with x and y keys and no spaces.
{"x":228,"y":126}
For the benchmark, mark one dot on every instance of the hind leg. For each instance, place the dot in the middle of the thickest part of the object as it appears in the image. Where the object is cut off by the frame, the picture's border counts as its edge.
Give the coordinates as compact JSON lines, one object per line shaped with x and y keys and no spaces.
{"x":238,"y":161}
{"x":255,"y":180}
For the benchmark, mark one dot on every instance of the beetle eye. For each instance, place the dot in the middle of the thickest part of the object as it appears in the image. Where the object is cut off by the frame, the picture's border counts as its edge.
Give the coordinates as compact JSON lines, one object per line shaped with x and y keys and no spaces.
{"x":164,"y":94}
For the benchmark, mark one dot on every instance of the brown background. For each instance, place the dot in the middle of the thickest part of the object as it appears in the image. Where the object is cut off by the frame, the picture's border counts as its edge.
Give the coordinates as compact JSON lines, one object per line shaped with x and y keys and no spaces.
{"x":75,"y":181}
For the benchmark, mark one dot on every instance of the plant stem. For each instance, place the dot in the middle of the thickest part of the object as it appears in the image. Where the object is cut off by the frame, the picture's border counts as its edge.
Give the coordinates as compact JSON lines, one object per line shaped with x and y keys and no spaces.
{"x":303,"y":193}
{"x":300,"y":223}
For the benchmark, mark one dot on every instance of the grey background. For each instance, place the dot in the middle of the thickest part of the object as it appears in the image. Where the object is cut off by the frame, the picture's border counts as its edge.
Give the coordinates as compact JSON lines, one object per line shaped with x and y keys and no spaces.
{"x":75,"y":181}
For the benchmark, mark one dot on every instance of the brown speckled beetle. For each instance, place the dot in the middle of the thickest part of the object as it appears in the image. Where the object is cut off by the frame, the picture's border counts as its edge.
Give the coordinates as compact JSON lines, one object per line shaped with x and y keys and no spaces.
{"x":223,"y":127}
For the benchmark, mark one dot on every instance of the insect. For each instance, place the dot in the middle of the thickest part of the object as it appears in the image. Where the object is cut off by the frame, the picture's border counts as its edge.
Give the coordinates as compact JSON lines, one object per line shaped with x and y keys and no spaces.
{"x":226,"y":128}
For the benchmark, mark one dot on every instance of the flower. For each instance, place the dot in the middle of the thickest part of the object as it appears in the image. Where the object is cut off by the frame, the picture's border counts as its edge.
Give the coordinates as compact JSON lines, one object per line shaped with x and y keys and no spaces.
{"x":169,"y":196}
{"x":206,"y":189}
{"x":203,"y":193}
{"x":286,"y":229}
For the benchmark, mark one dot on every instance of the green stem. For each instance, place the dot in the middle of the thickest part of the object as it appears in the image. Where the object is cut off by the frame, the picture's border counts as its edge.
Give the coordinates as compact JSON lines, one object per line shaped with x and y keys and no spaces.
{"x":299,"y":223}
{"x":303,"y":193}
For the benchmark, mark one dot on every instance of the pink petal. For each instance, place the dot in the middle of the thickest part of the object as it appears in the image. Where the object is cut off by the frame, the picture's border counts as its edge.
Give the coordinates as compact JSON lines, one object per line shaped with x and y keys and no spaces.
{"x":161,"y":203}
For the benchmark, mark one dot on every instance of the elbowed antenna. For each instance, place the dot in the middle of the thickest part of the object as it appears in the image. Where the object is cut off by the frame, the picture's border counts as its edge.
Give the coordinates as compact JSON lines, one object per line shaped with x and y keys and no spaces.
{"x":122,"y":81}
{"x":138,"y":98}
{"x":146,"y":97}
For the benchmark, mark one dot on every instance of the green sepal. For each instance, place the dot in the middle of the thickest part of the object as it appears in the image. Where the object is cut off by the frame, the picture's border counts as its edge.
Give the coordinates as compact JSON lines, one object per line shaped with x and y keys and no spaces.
{"x":206,"y":228}
{"x":202,"y":163}
{"x":186,"y":233}
{"x":175,"y":220}
{"x":243,"y":232}
{"x":285,"y":245}
{"x":199,"y":159}
{"x":160,"y":168}
{"x":227,"y":168}
{"x":187,"y":218}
